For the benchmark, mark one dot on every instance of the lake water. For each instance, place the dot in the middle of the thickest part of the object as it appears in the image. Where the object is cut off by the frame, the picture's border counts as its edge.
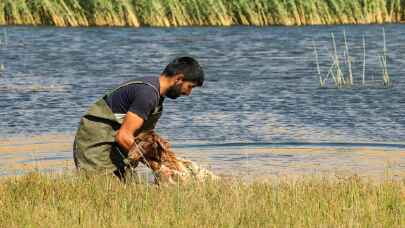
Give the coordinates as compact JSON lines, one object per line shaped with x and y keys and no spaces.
{"x":261,"y":87}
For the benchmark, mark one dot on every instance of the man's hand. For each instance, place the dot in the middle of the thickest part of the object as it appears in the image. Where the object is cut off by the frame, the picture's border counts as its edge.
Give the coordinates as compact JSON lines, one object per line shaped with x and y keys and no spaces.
{"x":125,"y":135}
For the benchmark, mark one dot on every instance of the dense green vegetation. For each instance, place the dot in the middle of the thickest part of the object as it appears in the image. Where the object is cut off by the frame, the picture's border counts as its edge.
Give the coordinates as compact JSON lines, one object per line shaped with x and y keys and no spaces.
{"x":39,"y":200}
{"x":198,"y":12}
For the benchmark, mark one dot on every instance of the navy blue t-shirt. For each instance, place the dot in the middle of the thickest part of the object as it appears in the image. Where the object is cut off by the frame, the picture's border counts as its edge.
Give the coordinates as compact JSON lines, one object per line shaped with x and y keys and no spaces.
{"x":140,"y":99}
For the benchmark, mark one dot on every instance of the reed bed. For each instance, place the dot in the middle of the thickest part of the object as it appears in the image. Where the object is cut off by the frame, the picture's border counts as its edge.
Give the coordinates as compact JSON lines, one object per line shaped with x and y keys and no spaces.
{"x":44,"y":200}
{"x":167,"y":13}
{"x":341,"y":72}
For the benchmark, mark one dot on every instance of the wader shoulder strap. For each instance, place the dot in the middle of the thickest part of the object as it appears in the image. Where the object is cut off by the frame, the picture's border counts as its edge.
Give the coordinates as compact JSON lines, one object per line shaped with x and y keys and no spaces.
{"x":120,"y":117}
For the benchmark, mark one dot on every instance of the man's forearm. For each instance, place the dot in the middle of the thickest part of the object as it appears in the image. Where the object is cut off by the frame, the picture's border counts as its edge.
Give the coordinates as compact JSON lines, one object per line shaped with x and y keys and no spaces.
{"x":125,"y":141}
{"x":125,"y":135}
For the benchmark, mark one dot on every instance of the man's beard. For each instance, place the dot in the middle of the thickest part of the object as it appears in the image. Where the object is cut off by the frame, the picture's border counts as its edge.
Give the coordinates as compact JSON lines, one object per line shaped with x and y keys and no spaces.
{"x":174,"y":91}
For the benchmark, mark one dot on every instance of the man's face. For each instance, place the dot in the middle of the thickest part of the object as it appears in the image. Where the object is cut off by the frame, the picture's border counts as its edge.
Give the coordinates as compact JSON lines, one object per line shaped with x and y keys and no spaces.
{"x":181,"y":88}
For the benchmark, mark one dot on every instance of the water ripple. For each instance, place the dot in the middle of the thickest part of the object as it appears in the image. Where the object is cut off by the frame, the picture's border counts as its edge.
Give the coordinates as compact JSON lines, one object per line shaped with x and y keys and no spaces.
{"x":262,"y":84}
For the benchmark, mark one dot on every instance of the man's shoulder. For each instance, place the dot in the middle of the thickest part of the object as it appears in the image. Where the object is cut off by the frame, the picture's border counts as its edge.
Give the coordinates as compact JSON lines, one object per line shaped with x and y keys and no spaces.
{"x":146,"y":88}
{"x":147,"y":83}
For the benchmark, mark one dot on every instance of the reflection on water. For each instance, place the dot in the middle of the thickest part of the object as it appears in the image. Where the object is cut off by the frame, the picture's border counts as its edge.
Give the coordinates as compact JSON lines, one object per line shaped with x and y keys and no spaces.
{"x":261,"y":82}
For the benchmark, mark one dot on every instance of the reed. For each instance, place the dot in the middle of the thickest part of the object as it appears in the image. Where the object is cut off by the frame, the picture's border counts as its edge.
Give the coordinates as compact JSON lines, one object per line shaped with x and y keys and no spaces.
{"x":383,"y":61}
{"x":198,"y":12}
{"x":348,"y":60}
{"x":318,"y":69}
{"x":17,"y":12}
{"x":337,"y":67}
{"x":339,"y":77}
{"x":364,"y":61}
{"x":76,"y":15}
{"x":3,"y":45}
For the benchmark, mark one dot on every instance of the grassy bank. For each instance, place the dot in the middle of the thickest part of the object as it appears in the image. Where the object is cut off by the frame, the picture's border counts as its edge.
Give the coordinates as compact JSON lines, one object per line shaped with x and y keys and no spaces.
{"x":71,"y":201}
{"x":198,"y":12}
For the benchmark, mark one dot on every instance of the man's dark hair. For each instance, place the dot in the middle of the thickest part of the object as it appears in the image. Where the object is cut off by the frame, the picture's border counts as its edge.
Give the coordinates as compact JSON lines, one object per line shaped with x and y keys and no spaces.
{"x":187,"y":66}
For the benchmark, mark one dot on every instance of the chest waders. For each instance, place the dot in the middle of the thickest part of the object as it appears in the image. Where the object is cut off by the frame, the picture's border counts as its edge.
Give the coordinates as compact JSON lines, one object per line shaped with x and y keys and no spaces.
{"x":95,"y":149}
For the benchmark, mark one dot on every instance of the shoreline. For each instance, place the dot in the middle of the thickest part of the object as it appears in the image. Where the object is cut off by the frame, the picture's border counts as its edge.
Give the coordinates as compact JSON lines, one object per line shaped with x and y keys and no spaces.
{"x":53,"y":153}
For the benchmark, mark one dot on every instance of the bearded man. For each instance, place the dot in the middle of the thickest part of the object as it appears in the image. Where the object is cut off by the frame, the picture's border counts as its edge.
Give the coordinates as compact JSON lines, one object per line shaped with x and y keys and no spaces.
{"x":108,"y":131}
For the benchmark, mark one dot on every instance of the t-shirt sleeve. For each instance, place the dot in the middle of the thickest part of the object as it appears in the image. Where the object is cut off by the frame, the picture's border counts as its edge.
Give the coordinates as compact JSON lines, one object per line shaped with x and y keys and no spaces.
{"x":145,"y":101}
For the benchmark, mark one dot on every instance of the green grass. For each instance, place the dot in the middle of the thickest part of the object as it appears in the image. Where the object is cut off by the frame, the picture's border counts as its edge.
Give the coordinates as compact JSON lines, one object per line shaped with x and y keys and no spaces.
{"x":37,"y":200}
{"x":167,"y":13}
